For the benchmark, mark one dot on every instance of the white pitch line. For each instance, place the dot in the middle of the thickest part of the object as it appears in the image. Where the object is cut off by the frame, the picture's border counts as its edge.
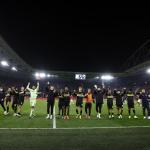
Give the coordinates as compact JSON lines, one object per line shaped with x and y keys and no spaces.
{"x":78,"y":128}
{"x":54,"y":118}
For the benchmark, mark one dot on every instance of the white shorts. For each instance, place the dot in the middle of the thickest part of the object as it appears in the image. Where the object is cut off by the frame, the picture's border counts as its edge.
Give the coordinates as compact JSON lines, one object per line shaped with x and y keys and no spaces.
{"x":32,"y":102}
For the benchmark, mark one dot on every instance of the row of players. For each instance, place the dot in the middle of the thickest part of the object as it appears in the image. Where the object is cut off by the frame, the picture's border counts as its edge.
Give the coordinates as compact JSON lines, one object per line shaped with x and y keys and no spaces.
{"x":91,"y":96}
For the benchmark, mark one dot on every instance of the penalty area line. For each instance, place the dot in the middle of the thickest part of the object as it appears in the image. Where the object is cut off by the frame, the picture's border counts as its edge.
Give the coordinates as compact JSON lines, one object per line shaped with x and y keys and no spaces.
{"x":78,"y":128}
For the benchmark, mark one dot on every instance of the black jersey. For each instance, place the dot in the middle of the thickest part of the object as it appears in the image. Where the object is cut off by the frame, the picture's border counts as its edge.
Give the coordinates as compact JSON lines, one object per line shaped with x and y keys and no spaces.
{"x":66,"y":95}
{"x":110,"y":98}
{"x":61,"y":101}
{"x":2,"y":94}
{"x":61,"y":97}
{"x":51,"y":95}
{"x":15,"y":94}
{"x":80,"y":96}
{"x":99,"y":96}
{"x":21,"y":95}
{"x":119,"y":99}
{"x":130,"y":97}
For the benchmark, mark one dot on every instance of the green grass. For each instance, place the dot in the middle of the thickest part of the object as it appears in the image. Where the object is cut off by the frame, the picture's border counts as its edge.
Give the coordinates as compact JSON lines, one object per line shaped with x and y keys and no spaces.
{"x":78,"y":139}
{"x":40,"y":122}
{"x":105,"y":139}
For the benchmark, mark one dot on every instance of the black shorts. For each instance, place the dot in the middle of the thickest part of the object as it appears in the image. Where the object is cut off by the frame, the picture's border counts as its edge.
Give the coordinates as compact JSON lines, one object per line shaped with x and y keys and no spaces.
{"x":67,"y":103}
{"x":130,"y":105}
{"x":79,"y":104}
{"x":21,"y":101}
{"x":145,"y":105}
{"x":15,"y":101}
{"x":8,"y":99}
{"x":119,"y":105}
{"x":61,"y":104}
{"x":88,"y":105}
{"x":110,"y":104}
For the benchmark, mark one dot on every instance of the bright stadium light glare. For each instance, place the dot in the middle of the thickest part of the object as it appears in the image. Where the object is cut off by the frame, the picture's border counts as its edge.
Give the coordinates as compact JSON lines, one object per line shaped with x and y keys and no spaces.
{"x":107,"y":77}
{"x":42,"y":75}
{"x":48,"y":75}
{"x":4,"y":63}
{"x":37,"y":74}
{"x":148,"y":71}
{"x":14,"y":69}
{"x":97,"y":77}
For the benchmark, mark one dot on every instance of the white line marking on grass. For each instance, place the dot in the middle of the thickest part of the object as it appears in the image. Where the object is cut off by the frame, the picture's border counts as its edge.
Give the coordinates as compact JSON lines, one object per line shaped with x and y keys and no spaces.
{"x":54,"y":118}
{"x":78,"y":128}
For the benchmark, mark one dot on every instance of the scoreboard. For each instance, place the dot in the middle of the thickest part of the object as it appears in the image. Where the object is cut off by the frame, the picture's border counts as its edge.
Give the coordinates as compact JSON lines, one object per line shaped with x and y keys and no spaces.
{"x":80,"y":76}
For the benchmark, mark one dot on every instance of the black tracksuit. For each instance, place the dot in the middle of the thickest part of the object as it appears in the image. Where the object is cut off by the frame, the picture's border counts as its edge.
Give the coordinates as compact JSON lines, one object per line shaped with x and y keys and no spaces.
{"x":51,"y":101}
{"x":99,"y":100}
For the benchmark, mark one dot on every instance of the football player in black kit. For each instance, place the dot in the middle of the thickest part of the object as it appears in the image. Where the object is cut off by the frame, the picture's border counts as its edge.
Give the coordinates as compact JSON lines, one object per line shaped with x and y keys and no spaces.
{"x":79,"y":102}
{"x":15,"y":96}
{"x":130,"y":102}
{"x":119,"y":102}
{"x":99,"y":94}
{"x":2,"y":98}
{"x":66,"y":96}
{"x":21,"y":99}
{"x":61,"y":103}
{"x":110,"y":97}
{"x":51,"y":95}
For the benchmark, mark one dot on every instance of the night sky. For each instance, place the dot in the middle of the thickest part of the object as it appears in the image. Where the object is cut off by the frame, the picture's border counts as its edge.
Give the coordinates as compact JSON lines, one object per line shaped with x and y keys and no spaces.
{"x":74,"y":37}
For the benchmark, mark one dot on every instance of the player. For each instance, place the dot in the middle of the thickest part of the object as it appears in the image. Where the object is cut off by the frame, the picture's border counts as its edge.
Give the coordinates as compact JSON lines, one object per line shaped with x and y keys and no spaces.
{"x":15,"y":97}
{"x":119,"y":102}
{"x":145,"y":103}
{"x":47,"y":88}
{"x":2,"y":98}
{"x":66,"y":96}
{"x":88,"y":105}
{"x":61,"y":105}
{"x":51,"y":95}
{"x":79,"y":102}
{"x":130,"y":102}
{"x":99,"y":100}
{"x":110,"y":97}
{"x":21,"y":100}
{"x":33,"y":96}
{"x":8,"y":99}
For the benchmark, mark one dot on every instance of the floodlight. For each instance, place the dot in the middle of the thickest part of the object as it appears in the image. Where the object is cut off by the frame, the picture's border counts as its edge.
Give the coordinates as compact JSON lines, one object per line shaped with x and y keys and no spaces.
{"x":37,"y":74}
{"x":4,"y":63}
{"x":97,"y":77}
{"x":148,"y":71}
{"x":48,"y":75}
{"x":14,"y":69}
{"x":107,"y":77}
{"x":42,"y":75}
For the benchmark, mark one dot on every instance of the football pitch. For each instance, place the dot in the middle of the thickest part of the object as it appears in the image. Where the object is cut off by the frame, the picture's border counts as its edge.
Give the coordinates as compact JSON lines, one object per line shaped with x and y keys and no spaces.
{"x":104,"y":133}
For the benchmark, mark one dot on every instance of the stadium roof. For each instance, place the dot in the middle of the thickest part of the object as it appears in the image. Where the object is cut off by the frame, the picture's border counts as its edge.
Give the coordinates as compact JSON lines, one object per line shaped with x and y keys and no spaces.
{"x":7,"y":53}
{"x":133,"y":64}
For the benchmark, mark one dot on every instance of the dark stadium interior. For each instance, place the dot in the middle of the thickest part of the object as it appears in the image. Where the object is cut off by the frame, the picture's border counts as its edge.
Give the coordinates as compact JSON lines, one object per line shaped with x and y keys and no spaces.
{"x":73,"y":38}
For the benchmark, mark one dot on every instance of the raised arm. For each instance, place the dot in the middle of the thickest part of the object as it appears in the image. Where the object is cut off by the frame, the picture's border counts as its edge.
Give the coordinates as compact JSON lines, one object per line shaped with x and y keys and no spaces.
{"x":37,"y":88}
{"x":28,"y":86}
